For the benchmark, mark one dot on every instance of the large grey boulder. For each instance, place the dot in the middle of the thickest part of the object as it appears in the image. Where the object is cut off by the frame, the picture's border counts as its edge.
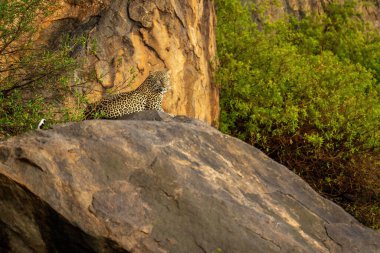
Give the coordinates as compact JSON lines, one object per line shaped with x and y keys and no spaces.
{"x":160,"y":185}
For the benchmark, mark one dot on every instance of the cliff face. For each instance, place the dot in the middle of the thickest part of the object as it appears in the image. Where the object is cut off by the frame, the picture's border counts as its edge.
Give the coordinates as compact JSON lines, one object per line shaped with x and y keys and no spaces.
{"x":168,"y":185}
{"x":144,"y":36}
{"x":277,"y":8}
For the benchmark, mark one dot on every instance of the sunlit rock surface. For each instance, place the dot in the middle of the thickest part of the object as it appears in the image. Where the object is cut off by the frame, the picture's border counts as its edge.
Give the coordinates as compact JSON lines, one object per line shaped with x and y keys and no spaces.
{"x":154,"y":183}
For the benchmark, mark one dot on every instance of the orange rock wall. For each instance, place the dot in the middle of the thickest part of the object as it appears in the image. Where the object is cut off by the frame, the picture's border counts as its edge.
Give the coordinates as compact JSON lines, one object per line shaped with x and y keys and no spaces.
{"x":146,"y":35}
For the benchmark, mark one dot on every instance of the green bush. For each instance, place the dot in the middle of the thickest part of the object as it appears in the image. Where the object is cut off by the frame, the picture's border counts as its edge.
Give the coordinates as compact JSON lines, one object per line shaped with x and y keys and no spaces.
{"x":33,"y":78}
{"x":341,"y":30}
{"x":305,"y":92}
{"x":18,"y":114}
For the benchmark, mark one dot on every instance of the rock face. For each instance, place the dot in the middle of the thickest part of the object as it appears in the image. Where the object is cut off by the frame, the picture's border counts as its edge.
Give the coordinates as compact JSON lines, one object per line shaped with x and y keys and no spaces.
{"x":160,"y":185}
{"x":143,"y":36}
{"x":277,"y":8}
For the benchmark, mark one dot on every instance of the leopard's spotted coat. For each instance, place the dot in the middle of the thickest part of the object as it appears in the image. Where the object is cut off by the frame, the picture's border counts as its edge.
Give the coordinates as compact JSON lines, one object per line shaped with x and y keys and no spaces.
{"x":148,"y":96}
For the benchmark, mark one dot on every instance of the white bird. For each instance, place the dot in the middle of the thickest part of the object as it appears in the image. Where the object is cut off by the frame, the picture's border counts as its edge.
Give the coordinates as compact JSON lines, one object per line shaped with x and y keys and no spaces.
{"x":41,"y":124}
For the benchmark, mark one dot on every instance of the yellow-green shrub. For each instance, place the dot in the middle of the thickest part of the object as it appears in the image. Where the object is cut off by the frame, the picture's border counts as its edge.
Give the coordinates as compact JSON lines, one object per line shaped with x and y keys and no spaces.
{"x":315,"y":108}
{"x":32,"y":76}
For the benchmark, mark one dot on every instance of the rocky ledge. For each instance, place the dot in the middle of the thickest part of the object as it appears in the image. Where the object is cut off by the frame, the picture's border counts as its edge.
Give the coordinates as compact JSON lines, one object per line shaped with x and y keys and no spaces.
{"x":153,"y":183}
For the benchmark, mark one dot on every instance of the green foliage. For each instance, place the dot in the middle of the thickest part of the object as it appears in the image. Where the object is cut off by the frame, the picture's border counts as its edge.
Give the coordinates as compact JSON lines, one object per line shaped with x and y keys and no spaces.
{"x":307,"y":93}
{"x":341,"y":30}
{"x":18,"y":115}
{"x":17,"y":19}
{"x":32,"y":77}
{"x":76,"y":111}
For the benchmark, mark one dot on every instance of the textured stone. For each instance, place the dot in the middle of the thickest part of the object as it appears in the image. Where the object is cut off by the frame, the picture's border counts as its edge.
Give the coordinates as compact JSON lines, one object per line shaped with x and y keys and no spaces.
{"x":277,"y":9}
{"x":142,"y":11}
{"x":144,"y":36}
{"x":157,"y":183}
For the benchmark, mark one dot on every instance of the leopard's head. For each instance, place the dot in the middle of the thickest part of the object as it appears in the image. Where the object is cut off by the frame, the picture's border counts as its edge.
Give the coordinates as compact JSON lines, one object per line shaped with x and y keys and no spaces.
{"x":159,"y":81}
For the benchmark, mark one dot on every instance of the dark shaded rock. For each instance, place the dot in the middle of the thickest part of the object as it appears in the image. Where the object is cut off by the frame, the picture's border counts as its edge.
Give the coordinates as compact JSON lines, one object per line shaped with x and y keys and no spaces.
{"x":164,"y":184}
{"x":28,"y":224}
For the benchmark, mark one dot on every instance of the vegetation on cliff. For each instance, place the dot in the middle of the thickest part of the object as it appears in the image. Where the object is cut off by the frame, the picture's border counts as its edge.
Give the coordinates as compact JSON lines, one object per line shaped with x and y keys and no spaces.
{"x":306,"y":91}
{"x":33,"y":78}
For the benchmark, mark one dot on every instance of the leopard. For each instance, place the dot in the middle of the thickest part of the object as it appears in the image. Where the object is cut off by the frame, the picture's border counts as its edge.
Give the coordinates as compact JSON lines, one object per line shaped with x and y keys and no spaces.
{"x":148,"y":96}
